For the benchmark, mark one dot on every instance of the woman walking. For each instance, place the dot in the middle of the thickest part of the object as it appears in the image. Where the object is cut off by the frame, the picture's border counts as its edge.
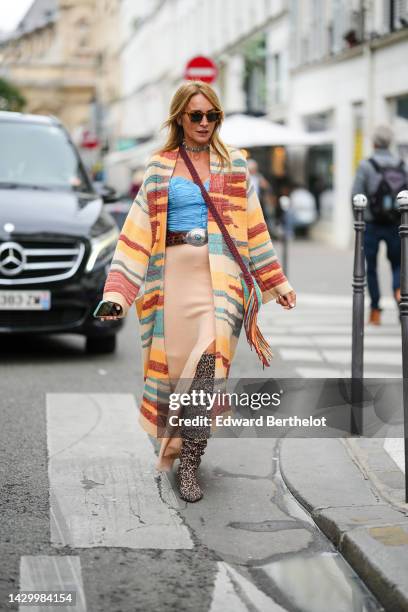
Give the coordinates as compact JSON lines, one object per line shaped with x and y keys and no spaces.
{"x":195,"y":299}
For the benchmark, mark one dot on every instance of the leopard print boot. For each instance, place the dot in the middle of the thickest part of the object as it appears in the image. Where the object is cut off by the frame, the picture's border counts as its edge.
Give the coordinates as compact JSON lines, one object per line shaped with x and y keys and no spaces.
{"x":194,"y":439}
{"x":190,"y":457}
{"x":203,"y":380}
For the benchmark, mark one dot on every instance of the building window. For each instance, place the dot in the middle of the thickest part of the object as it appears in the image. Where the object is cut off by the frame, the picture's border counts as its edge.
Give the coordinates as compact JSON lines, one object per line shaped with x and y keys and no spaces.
{"x":355,"y":30}
{"x":304,"y":49}
{"x":276,"y":78}
{"x":255,"y":74}
{"x":318,"y":122}
{"x":317,"y":30}
{"x":330,"y":37}
{"x":358,"y":112}
{"x":83,"y":32}
{"x":396,"y":14}
{"x":402,"y":107}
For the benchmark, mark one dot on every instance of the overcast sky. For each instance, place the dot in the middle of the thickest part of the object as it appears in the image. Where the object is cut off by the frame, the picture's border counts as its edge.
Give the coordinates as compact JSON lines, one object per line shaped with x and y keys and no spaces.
{"x":11,"y":11}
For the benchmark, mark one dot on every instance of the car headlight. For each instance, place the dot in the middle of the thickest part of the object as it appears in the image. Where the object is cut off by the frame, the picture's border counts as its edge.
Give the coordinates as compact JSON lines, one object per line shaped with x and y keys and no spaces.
{"x":102,"y":249}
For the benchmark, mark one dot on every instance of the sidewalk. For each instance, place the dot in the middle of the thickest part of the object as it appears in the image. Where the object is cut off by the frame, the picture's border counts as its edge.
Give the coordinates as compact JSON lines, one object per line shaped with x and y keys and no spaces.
{"x":353,"y":489}
{"x":355,"y":495}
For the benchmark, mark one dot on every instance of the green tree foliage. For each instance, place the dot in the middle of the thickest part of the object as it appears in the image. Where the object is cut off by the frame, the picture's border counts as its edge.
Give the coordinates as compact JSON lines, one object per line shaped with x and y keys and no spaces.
{"x":11,"y":99}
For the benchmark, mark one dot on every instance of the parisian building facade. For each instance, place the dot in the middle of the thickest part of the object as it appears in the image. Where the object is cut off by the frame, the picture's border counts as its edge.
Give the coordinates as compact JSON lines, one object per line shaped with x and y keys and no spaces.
{"x":336,"y":65}
{"x":62,"y":57}
{"x":111,"y":66}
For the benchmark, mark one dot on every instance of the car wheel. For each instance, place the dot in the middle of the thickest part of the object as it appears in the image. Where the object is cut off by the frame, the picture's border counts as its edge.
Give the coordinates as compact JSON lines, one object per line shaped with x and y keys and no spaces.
{"x":99,"y":345}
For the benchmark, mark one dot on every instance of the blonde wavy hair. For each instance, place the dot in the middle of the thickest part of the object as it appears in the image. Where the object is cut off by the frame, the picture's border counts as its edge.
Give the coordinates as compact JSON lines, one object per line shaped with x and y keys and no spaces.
{"x":178,"y":103}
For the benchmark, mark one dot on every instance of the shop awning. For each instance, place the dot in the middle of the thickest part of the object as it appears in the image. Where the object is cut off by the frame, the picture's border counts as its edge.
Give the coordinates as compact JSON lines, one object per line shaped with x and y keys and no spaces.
{"x":247,"y":131}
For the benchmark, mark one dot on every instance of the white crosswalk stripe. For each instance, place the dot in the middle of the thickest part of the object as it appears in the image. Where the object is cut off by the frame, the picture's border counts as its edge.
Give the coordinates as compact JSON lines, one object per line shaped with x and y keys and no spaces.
{"x":380,"y":358}
{"x":103,"y":490}
{"x":320,"y":372}
{"x":52,"y":574}
{"x":229,"y":583}
{"x":369,"y":341}
{"x":295,"y":354}
{"x":303,"y":329}
{"x":317,"y":580}
{"x":317,"y":340}
{"x":395,"y":449}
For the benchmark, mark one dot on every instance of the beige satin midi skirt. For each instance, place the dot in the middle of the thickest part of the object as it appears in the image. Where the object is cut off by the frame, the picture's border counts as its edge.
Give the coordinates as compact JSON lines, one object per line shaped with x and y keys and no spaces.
{"x":189,"y":324}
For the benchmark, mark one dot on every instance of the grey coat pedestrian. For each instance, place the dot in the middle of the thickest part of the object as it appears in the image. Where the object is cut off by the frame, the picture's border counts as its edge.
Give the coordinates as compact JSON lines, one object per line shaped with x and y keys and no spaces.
{"x":367,"y":179}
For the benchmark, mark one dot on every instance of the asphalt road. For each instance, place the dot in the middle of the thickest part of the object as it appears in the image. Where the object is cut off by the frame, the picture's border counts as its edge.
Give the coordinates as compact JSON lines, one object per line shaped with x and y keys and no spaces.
{"x":247,"y":545}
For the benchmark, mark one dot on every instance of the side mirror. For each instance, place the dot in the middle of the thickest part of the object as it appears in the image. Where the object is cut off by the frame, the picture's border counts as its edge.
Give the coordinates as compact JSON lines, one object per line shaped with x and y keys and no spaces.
{"x":107,"y":193}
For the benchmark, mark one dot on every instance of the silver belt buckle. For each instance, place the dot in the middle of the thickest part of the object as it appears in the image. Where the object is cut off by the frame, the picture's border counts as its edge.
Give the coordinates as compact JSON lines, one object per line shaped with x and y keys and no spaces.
{"x":196,"y":236}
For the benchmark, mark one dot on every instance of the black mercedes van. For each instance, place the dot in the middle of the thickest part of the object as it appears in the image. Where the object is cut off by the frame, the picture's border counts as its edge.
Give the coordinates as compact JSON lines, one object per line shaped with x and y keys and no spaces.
{"x":56,"y":239}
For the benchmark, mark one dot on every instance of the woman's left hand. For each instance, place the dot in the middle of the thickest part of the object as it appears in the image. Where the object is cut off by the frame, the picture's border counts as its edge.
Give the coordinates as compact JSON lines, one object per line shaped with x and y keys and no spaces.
{"x":287,"y":301}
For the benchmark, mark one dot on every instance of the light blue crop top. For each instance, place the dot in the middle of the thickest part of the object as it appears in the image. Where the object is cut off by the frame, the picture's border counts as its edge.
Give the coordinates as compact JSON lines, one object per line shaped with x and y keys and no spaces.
{"x":186,"y":207}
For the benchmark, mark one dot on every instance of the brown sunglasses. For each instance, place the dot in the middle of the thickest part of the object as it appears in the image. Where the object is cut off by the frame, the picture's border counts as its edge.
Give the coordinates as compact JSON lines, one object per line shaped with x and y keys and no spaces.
{"x":197,"y":116}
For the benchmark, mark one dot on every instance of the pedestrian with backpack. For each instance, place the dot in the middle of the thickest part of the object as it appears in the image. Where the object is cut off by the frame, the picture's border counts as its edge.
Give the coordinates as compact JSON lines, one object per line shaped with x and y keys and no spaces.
{"x":381,"y":178}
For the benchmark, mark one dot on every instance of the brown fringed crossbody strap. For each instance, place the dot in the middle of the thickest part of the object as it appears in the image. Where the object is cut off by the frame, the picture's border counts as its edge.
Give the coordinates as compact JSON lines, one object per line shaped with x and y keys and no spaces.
{"x":254,"y":336}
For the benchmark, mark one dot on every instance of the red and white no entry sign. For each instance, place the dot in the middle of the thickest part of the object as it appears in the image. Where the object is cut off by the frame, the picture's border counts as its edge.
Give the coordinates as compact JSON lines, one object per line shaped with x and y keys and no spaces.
{"x":201,"y":68}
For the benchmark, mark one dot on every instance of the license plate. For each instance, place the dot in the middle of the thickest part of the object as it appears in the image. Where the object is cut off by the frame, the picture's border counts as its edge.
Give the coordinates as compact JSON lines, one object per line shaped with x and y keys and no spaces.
{"x":25,"y":300}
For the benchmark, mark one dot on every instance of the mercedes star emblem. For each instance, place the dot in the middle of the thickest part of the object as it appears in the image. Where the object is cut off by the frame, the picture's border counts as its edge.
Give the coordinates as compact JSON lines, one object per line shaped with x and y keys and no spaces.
{"x":12,"y":258}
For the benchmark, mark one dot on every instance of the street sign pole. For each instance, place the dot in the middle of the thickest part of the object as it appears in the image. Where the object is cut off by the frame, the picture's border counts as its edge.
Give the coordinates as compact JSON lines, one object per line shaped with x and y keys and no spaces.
{"x":402,"y":200}
{"x":357,"y":347}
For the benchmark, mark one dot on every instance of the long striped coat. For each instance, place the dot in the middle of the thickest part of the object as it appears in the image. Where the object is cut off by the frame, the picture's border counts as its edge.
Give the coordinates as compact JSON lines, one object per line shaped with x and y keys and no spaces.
{"x":140,"y":258}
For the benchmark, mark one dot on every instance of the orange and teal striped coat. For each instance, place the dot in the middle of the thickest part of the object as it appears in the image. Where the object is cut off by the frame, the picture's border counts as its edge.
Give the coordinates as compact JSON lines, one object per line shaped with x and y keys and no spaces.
{"x":139,"y":259}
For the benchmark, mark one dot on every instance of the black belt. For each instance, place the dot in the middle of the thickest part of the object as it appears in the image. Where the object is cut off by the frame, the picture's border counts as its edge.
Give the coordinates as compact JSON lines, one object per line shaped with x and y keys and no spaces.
{"x":196,"y":236}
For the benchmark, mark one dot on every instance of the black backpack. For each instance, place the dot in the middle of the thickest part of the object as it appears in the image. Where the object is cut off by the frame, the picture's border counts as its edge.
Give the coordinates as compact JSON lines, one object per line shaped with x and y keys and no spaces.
{"x":382,"y":203}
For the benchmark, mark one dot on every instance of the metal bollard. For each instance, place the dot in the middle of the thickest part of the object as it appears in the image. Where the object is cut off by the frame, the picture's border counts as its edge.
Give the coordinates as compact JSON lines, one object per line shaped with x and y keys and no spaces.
{"x":357,"y":347}
{"x":284,"y":202}
{"x":402,"y":201}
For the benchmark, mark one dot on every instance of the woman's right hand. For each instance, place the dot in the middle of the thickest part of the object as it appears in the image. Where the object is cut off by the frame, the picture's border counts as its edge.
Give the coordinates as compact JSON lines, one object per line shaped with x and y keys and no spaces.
{"x":114,"y":317}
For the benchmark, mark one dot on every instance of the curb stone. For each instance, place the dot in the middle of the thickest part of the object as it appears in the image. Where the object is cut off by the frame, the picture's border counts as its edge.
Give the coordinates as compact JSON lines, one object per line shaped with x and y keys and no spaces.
{"x":368,"y":530}
{"x":377,"y":465}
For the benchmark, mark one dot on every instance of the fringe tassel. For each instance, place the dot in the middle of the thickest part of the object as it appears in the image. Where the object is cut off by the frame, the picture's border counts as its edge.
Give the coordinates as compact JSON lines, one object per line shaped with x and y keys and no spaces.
{"x":253,"y":333}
